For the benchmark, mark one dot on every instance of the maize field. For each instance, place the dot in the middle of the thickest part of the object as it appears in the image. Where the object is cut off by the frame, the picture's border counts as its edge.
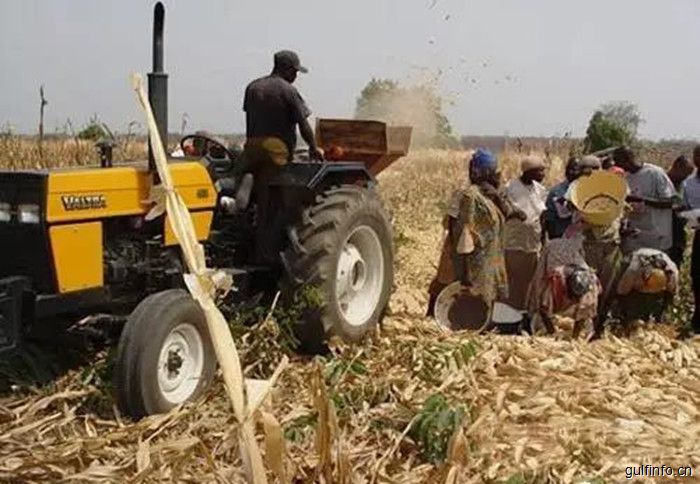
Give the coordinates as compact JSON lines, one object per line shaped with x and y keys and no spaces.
{"x":410,"y":405}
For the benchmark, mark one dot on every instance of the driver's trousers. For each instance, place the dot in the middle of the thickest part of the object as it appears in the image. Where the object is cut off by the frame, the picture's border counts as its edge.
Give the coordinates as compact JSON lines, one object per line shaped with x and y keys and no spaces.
{"x":271,"y":215}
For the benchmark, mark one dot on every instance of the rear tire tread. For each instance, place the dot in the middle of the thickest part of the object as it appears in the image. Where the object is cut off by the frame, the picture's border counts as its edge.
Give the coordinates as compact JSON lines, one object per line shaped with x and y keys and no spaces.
{"x":320,"y":232}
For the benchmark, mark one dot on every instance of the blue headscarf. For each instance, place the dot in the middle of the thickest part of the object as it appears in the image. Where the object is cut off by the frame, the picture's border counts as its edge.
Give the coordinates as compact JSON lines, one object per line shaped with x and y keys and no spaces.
{"x":483,"y":160}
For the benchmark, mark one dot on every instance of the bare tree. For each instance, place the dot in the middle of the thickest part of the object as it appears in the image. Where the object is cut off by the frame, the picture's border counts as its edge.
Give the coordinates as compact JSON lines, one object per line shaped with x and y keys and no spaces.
{"x":78,"y":155}
{"x":130,"y":134}
{"x":44,"y":102}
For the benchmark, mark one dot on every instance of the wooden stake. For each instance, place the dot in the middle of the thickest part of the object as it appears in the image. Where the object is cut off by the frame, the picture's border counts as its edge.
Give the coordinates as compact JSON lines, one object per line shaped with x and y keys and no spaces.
{"x":202,"y":284}
{"x":44,"y":102}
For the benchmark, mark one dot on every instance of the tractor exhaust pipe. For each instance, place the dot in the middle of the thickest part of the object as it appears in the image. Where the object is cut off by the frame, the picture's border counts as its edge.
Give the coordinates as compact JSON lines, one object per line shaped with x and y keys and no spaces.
{"x":158,"y":83}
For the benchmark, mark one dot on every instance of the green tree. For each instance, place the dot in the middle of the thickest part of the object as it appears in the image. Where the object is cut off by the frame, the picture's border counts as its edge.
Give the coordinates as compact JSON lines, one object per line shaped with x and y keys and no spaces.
{"x":418,"y":106}
{"x":614,"y":124}
{"x":94,"y":130}
{"x":623,"y":114}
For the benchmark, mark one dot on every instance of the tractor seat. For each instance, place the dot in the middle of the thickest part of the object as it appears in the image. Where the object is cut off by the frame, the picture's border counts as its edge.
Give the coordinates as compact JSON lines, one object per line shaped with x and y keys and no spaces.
{"x":234,"y":195}
{"x":217,"y":167}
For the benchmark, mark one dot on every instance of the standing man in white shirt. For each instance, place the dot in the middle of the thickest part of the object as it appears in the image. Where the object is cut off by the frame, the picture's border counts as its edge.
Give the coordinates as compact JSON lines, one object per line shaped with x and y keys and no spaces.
{"x":523,"y":237}
{"x":652,"y":196}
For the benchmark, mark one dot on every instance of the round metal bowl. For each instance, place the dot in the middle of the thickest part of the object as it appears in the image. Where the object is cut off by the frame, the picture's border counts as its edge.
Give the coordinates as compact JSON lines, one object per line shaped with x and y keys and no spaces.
{"x":507,"y":319}
{"x":457,"y":309}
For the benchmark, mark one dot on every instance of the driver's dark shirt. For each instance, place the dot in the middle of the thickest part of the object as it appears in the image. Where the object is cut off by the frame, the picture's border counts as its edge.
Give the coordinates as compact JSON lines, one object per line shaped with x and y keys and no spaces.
{"x":273,"y":109}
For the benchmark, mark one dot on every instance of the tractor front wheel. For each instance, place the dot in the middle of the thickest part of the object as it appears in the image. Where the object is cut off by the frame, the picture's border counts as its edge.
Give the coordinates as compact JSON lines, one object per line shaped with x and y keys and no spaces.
{"x":342,"y":249}
{"x":165,"y":356}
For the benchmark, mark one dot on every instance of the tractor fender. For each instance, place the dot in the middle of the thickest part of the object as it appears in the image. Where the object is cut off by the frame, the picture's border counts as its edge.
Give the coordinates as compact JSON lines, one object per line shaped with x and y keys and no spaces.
{"x":341,"y":174}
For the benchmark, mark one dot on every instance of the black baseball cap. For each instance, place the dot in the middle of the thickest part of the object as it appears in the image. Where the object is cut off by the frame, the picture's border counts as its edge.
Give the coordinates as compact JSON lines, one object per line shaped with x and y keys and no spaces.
{"x":288,"y":58}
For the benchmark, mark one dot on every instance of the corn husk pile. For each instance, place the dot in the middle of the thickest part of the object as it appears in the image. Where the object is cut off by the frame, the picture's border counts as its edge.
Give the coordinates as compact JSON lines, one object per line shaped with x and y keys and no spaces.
{"x":540,"y":407}
{"x":535,"y":409}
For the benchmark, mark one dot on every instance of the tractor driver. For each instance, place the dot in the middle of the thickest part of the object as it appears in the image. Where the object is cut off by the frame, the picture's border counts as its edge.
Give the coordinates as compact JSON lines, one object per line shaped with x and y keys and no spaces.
{"x":273,"y":109}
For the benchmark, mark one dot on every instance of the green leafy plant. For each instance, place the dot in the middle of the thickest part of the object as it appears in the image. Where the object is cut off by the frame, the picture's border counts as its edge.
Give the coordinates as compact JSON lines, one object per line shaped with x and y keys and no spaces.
{"x":434,"y":426}
{"x":295,"y":431}
{"x":432,"y":362}
{"x":464,"y":353}
{"x":400,"y":238}
{"x":286,"y":314}
{"x":306,"y":298}
{"x":350,"y":387}
{"x":339,"y":368}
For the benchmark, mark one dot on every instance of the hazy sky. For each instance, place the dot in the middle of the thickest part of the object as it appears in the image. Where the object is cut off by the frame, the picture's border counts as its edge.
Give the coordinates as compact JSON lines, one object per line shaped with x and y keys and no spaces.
{"x":535,"y":67}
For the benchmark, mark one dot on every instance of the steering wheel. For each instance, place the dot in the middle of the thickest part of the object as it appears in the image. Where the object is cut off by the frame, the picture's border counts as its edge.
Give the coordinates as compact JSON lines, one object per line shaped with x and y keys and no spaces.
{"x":210,"y":142}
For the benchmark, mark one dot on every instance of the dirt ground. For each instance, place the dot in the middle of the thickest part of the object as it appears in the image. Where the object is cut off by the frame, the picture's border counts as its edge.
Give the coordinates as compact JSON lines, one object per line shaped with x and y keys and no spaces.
{"x":410,"y":405}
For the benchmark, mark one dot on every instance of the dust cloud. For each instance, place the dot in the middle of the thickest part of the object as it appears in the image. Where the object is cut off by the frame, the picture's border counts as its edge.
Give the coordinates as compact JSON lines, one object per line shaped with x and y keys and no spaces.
{"x":418,"y":105}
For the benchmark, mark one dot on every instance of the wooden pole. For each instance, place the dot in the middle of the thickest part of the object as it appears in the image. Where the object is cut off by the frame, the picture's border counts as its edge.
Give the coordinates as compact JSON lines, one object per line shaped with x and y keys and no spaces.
{"x":44,"y":102}
{"x":202,"y":284}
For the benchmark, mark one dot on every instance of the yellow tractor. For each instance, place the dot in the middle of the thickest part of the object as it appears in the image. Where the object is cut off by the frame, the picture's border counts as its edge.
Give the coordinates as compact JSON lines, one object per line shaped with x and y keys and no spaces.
{"x":75,"y":242}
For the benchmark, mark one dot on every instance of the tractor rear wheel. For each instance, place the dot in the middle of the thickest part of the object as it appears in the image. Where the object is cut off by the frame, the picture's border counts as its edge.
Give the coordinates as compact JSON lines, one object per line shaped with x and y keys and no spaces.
{"x":342,"y":247}
{"x":165,"y":356}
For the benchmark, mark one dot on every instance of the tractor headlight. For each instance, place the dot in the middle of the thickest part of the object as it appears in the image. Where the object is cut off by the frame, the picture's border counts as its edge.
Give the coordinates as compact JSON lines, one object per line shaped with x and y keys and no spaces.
{"x":5,"y":214}
{"x":28,"y":213}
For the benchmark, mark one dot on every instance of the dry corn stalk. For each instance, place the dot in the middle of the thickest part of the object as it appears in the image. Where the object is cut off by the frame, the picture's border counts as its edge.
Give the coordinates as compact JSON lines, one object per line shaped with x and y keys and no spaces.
{"x":275,"y":448}
{"x":327,"y":426}
{"x":202,"y":284}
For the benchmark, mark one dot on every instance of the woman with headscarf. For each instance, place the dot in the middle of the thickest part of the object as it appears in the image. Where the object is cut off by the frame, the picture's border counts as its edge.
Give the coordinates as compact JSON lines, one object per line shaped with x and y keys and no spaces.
{"x":472,"y":252}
